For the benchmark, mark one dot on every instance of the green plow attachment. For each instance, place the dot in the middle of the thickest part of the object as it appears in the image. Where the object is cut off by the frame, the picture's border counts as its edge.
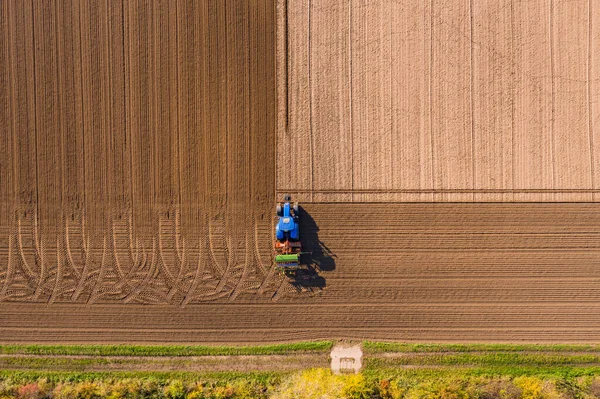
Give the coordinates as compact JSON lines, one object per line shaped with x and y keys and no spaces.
{"x":286,"y":258}
{"x":290,"y":261}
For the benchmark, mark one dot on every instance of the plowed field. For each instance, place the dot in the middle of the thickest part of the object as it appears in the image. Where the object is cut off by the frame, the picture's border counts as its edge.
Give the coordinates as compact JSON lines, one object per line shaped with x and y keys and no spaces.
{"x":142,"y":142}
{"x":461,"y":100}
{"x":451,"y":272}
{"x":138,"y":153}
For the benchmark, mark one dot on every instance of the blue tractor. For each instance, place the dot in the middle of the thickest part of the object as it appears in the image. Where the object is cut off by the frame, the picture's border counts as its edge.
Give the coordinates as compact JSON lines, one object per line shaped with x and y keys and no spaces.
{"x":287,"y":233}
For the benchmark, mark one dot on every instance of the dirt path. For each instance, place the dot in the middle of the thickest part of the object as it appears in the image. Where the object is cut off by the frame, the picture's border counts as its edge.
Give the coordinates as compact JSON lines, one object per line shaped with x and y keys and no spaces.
{"x":165,"y":363}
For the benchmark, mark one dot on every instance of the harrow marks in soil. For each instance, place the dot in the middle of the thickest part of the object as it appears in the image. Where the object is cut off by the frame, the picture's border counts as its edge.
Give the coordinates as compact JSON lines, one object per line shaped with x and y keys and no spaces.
{"x":169,"y":268}
{"x":429,"y":272}
{"x":138,"y":173}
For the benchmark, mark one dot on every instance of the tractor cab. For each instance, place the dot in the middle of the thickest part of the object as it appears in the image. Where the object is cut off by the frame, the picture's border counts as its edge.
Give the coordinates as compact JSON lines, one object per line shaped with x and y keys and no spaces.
{"x":287,"y":225}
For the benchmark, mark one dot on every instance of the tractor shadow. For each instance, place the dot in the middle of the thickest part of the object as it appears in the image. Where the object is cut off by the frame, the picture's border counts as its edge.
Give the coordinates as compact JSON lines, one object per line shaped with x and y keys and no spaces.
{"x":318,"y":259}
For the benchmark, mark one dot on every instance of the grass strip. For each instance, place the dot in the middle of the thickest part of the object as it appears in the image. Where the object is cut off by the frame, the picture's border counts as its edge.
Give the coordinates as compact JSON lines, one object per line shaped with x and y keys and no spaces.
{"x":167,"y":350}
{"x":488,"y":359}
{"x":382,"y":371}
{"x":161,"y":377}
{"x":371,"y":347}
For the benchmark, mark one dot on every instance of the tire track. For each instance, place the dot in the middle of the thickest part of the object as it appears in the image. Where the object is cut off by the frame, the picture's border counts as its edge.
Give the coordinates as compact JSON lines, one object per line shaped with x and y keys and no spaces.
{"x":205,"y":250}
{"x":10,"y":270}
{"x":147,"y":275}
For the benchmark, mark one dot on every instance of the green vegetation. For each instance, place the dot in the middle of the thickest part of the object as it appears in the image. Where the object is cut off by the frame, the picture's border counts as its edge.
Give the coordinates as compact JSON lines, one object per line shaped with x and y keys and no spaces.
{"x":385,"y":347}
{"x":500,"y":387}
{"x":452,"y":361}
{"x":488,"y":359}
{"x":113,"y":358}
{"x":139,"y":350}
{"x":309,"y":384}
{"x":391,"y":371}
{"x":23,"y":377}
{"x":378,"y":370}
{"x":117,"y":387}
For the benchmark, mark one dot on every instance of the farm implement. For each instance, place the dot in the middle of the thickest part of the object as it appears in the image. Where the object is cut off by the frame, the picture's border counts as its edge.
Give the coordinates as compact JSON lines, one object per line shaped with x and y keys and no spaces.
{"x":287,"y":237}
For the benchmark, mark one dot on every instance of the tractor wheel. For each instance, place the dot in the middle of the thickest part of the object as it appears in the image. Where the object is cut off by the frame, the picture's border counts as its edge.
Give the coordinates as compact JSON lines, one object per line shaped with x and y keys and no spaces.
{"x":279,"y":210}
{"x":296,"y":209}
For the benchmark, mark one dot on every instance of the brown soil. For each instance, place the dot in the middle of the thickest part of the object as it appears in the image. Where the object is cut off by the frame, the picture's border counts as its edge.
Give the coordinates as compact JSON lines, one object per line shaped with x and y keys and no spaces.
{"x":486,"y":100}
{"x":138,"y":161}
{"x":424,"y":272}
{"x":138,"y":172}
